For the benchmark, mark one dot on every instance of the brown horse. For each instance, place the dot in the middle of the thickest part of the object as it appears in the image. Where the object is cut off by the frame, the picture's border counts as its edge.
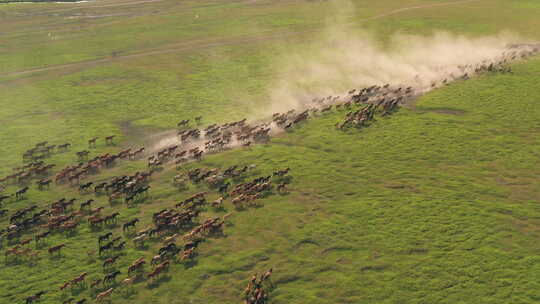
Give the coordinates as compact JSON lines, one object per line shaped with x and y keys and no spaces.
{"x":110,"y":261}
{"x":64,"y":146}
{"x":109,"y":140}
{"x":92,"y":142}
{"x":95,"y":283}
{"x":136,"y":265}
{"x":79,"y":279}
{"x":65,"y":285}
{"x":56,"y":248}
{"x":44,"y":183}
{"x":36,"y":297}
{"x":103,"y":295}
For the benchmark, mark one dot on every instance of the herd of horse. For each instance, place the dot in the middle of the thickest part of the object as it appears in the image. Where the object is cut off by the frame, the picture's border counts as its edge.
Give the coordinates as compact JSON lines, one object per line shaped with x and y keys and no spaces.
{"x":180,"y":221}
{"x":256,"y":291}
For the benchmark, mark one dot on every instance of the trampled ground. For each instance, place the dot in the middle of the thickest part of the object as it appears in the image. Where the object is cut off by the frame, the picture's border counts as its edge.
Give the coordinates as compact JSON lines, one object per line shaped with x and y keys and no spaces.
{"x":438,"y":203}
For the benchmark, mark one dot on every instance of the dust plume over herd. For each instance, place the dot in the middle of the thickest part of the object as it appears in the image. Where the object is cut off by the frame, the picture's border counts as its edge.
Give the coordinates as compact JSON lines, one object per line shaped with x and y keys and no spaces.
{"x":345,"y":56}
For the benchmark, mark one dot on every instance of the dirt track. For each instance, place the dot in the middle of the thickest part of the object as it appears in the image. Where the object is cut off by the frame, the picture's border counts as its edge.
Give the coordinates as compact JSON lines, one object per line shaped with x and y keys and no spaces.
{"x":202,"y":44}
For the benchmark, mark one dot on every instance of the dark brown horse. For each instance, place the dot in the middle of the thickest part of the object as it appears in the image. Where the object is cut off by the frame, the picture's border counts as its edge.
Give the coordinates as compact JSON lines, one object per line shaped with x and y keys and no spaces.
{"x":56,"y":248}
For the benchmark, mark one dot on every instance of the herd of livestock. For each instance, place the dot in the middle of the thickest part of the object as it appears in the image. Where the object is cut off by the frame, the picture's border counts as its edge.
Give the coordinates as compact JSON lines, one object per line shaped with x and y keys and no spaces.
{"x":178,"y":229}
{"x":34,"y":224}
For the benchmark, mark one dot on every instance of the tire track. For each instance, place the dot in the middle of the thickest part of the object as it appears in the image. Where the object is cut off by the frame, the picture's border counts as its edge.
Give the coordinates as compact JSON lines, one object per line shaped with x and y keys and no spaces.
{"x":202,"y":44}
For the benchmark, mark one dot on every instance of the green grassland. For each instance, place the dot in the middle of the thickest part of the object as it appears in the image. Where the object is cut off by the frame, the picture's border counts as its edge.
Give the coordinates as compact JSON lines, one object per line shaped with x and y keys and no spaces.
{"x":438,"y":203}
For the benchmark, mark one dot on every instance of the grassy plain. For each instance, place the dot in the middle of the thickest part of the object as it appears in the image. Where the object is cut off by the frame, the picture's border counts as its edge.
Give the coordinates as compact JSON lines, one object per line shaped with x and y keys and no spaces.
{"x":437,"y":204}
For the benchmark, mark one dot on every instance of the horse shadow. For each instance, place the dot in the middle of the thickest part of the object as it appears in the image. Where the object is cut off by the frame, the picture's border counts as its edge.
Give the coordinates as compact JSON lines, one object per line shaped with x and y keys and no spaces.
{"x":162,"y":279}
{"x":240,"y":208}
{"x":112,"y":225}
{"x":113,"y":284}
{"x":129,"y":232}
{"x":109,"y":269}
{"x":220,"y":209}
{"x":139,"y":277}
{"x":96,"y":228}
{"x":80,"y":288}
{"x":19,"y":198}
{"x":239,"y":179}
{"x":190,"y":263}
{"x":218,"y":235}
{"x":182,"y":188}
{"x":13,"y":241}
{"x":283,"y":193}
{"x":53,"y":257}
{"x":13,"y":262}
{"x":41,"y":245}
{"x":128,"y":292}
{"x":114,"y":203}
{"x":257,"y":205}
{"x":287,"y":179}
{"x":142,"y":247}
{"x":72,"y":233}
{"x":188,"y":226}
{"x":33,"y":262}
{"x":158,"y":169}
{"x":140,"y":200}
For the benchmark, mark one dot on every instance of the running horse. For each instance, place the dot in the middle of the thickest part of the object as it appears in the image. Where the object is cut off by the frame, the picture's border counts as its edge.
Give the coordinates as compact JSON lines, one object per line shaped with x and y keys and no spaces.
{"x":103,"y":295}
{"x":92,"y":142}
{"x":56,"y":248}
{"x":36,"y":297}
{"x":109,"y":140}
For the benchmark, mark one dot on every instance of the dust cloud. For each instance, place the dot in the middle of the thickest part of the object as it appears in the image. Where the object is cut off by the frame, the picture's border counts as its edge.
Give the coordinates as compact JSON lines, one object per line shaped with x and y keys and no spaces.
{"x":345,"y":57}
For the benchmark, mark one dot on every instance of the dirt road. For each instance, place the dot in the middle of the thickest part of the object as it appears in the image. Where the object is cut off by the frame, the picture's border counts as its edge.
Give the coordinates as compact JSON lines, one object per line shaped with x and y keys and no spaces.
{"x":202,"y":44}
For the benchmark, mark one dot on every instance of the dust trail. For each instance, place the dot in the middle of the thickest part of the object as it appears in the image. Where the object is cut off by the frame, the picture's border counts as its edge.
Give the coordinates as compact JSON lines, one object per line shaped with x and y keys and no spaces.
{"x":344,"y":58}
{"x":418,"y":63}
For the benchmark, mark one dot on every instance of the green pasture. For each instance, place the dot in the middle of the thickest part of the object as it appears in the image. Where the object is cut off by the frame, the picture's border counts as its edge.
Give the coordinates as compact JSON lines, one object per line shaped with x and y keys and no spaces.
{"x":438,"y":203}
